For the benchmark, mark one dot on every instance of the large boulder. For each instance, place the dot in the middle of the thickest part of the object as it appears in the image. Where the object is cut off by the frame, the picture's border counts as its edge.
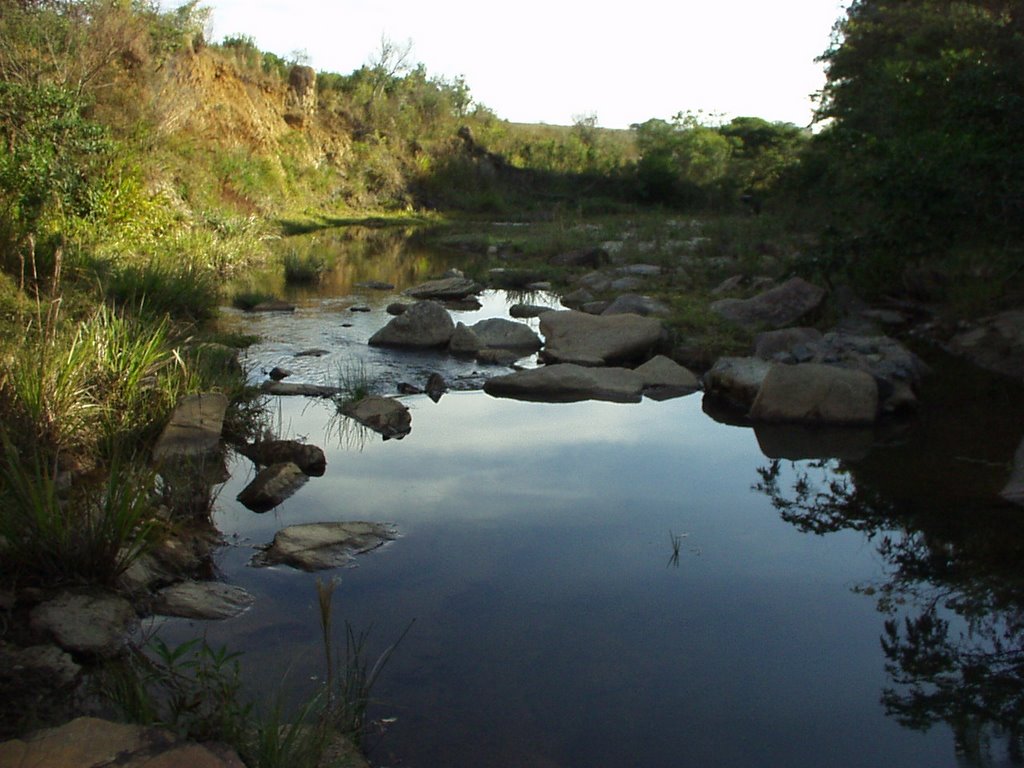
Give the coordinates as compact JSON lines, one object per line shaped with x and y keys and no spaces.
{"x":735,"y":381}
{"x":576,"y":337}
{"x":424,"y":324}
{"x":818,"y":394}
{"x":663,"y":377}
{"x":787,"y":345}
{"x":316,"y":546}
{"x":995,"y":343}
{"x":385,"y":415}
{"x":777,"y":307}
{"x":271,"y":486}
{"x":498,"y":333}
{"x":566,"y":382}
{"x":446,"y":289}
{"x":93,"y":624}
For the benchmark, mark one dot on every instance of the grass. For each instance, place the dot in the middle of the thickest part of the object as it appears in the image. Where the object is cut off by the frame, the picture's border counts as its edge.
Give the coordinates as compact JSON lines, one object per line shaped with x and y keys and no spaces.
{"x":158,"y":288}
{"x":303,"y":268}
{"x":354,"y":382}
{"x":247,"y":300}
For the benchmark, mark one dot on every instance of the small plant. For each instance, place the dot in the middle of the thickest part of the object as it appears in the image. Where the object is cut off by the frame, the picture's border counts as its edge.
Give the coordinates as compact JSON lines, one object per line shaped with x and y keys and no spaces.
{"x":354,"y":382}
{"x":303,"y":268}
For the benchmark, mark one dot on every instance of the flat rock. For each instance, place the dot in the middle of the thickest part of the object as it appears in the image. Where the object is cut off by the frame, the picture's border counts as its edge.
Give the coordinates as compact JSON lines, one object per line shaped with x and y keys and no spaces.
{"x":816,"y":394}
{"x":523,"y":311}
{"x":787,"y":344}
{"x":736,"y":381}
{"x":194,"y":428}
{"x":661,"y":371}
{"x":1014,"y":490}
{"x":89,"y":742}
{"x":566,"y":382}
{"x":316,"y":546}
{"x":271,"y":486}
{"x":632,"y":303}
{"x":576,"y":337}
{"x":577,"y":298}
{"x":94,"y":624}
{"x":777,"y":307}
{"x":202,"y":600}
{"x":288,"y":389}
{"x":425,"y":324}
{"x":446,"y":289}
{"x":995,"y":343}
{"x":498,"y":333}
{"x":309,"y":458}
{"x":385,"y":415}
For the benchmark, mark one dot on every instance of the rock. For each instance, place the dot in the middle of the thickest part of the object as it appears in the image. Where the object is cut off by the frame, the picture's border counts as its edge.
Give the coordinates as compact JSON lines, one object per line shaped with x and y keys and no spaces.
{"x":498,"y":333}
{"x":396,"y":308}
{"x":309,"y":458}
{"x":315,"y":546}
{"x":360,"y":308}
{"x":506,"y":357}
{"x":640,"y":270}
{"x":632,"y":303}
{"x":540,"y":285}
{"x":577,"y":298}
{"x":375,"y":285}
{"x":1014,"y":490}
{"x":590,"y":257}
{"x":271,"y":486}
{"x":523,"y":311}
{"x":786,"y":345}
{"x":595,"y":307}
{"x":202,"y":600}
{"x":623,"y":284}
{"x":663,"y":373}
{"x":315,"y":352}
{"x":576,"y":337}
{"x":816,"y":394}
{"x":88,"y":742}
{"x":285,"y":389}
{"x":43,"y":665}
{"x":277,"y":373}
{"x":436,"y":386}
{"x":383,"y":415}
{"x":798,"y":442}
{"x":995,"y":343}
{"x":595,"y":281}
{"x":405,"y":388}
{"x":194,"y":428}
{"x":273,"y":305}
{"x":425,"y":324}
{"x":93,"y":624}
{"x":463,"y":305}
{"x":446,"y":289}
{"x":775,"y":308}
{"x":728,"y":285}
{"x":463,"y":341}
{"x":736,"y":381}
{"x":566,"y":382}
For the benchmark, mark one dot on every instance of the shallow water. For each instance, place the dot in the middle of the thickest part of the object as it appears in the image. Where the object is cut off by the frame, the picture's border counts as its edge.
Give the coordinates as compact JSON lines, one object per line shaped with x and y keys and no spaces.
{"x":554,"y":626}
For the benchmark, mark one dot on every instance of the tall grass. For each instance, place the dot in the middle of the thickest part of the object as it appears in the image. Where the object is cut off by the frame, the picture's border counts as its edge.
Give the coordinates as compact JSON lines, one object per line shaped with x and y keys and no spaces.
{"x":160,"y":288}
{"x":303,"y":268}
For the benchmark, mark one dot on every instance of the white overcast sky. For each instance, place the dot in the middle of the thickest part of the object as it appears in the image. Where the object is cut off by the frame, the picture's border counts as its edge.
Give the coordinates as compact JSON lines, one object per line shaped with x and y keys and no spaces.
{"x":551,"y":60}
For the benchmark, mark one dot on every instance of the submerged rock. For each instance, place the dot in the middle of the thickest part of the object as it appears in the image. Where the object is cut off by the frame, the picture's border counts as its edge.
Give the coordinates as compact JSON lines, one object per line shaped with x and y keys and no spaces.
{"x":775,"y":308}
{"x":816,"y":394}
{"x":272,"y":486}
{"x":576,"y":337}
{"x":567,"y":382}
{"x":202,"y":600}
{"x":425,"y":324}
{"x":384,"y":415}
{"x":316,"y":546}
{"x":446,"y":289}
{"x":94,"y":624}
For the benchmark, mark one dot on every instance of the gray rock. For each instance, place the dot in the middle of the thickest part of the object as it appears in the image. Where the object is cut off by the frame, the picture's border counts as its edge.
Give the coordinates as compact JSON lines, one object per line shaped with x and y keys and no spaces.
{"x":640,"y":270}
{"x":446,"y":289}
{"x":277,"y":373}
{"x":271,"y":486}
{"x":735,"y":381}
{"x":817,"y":394}
{"x":396,"y":308}
{"x":628,"y":283}
{"x":778,"y":307}
{"x":786,"y":344}
{"x":632,"y":303}
{"x":576,"y":337}
{"x":498,"y":333}
{"x":315,"y":352}
{"x":523,"y":311}
{"x":54,"y":666}
{"x":662,"y":371}
{"x":316,"y":546}
{"x":194,"y":428}
{"x":464,"y":341}
{"x":287,"y":389}
{"x":436,"y":386}
{"x":1014,"y":490}
{"x":384,"y":415}
{"x":309,"y":458}
{"x":995,"y":343}
{"x":202,"y":600}
{"x":425,"y":324}
{"x":595,"y":281}
{"x":506,"y":357}
{"x":595,"y":307}
{"x":94,"y":624}
{"x":577,"y":298}
{"x":566,"y":382}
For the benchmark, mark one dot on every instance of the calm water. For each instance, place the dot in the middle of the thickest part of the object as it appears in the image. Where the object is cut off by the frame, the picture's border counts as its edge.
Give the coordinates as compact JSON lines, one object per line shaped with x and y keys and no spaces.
{"x":553,"y":627}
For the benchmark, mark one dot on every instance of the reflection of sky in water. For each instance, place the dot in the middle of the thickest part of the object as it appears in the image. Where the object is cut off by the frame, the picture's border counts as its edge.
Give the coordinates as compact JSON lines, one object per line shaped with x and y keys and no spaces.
{"x":550,"y":627}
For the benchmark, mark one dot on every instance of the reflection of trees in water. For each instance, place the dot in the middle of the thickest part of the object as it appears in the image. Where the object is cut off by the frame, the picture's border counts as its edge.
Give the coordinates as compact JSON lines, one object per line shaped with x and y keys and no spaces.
{"x":953,"y":596}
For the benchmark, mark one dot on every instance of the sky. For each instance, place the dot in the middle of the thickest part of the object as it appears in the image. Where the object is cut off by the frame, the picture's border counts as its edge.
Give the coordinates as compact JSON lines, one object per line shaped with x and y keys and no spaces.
{"x":551,"y":61}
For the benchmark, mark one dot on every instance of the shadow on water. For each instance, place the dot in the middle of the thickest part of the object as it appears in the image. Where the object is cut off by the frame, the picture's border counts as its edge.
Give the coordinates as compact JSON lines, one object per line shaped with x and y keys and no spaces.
{"x":952,"y":588}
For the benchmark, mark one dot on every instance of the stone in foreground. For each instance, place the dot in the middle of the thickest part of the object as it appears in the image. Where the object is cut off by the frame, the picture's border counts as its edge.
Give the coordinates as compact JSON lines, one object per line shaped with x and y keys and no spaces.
{"x":317,"y":546}
{"x":663,"y":372}
{"x":194,"y":428}
{"x":811,"y":393}
{"x":566,"y":383}
{"x":736,"y":381}
{"x":576,"y":337}
{"x":309,"y":458}
{"x":202,"y":600}
{"x":91,"y":624}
